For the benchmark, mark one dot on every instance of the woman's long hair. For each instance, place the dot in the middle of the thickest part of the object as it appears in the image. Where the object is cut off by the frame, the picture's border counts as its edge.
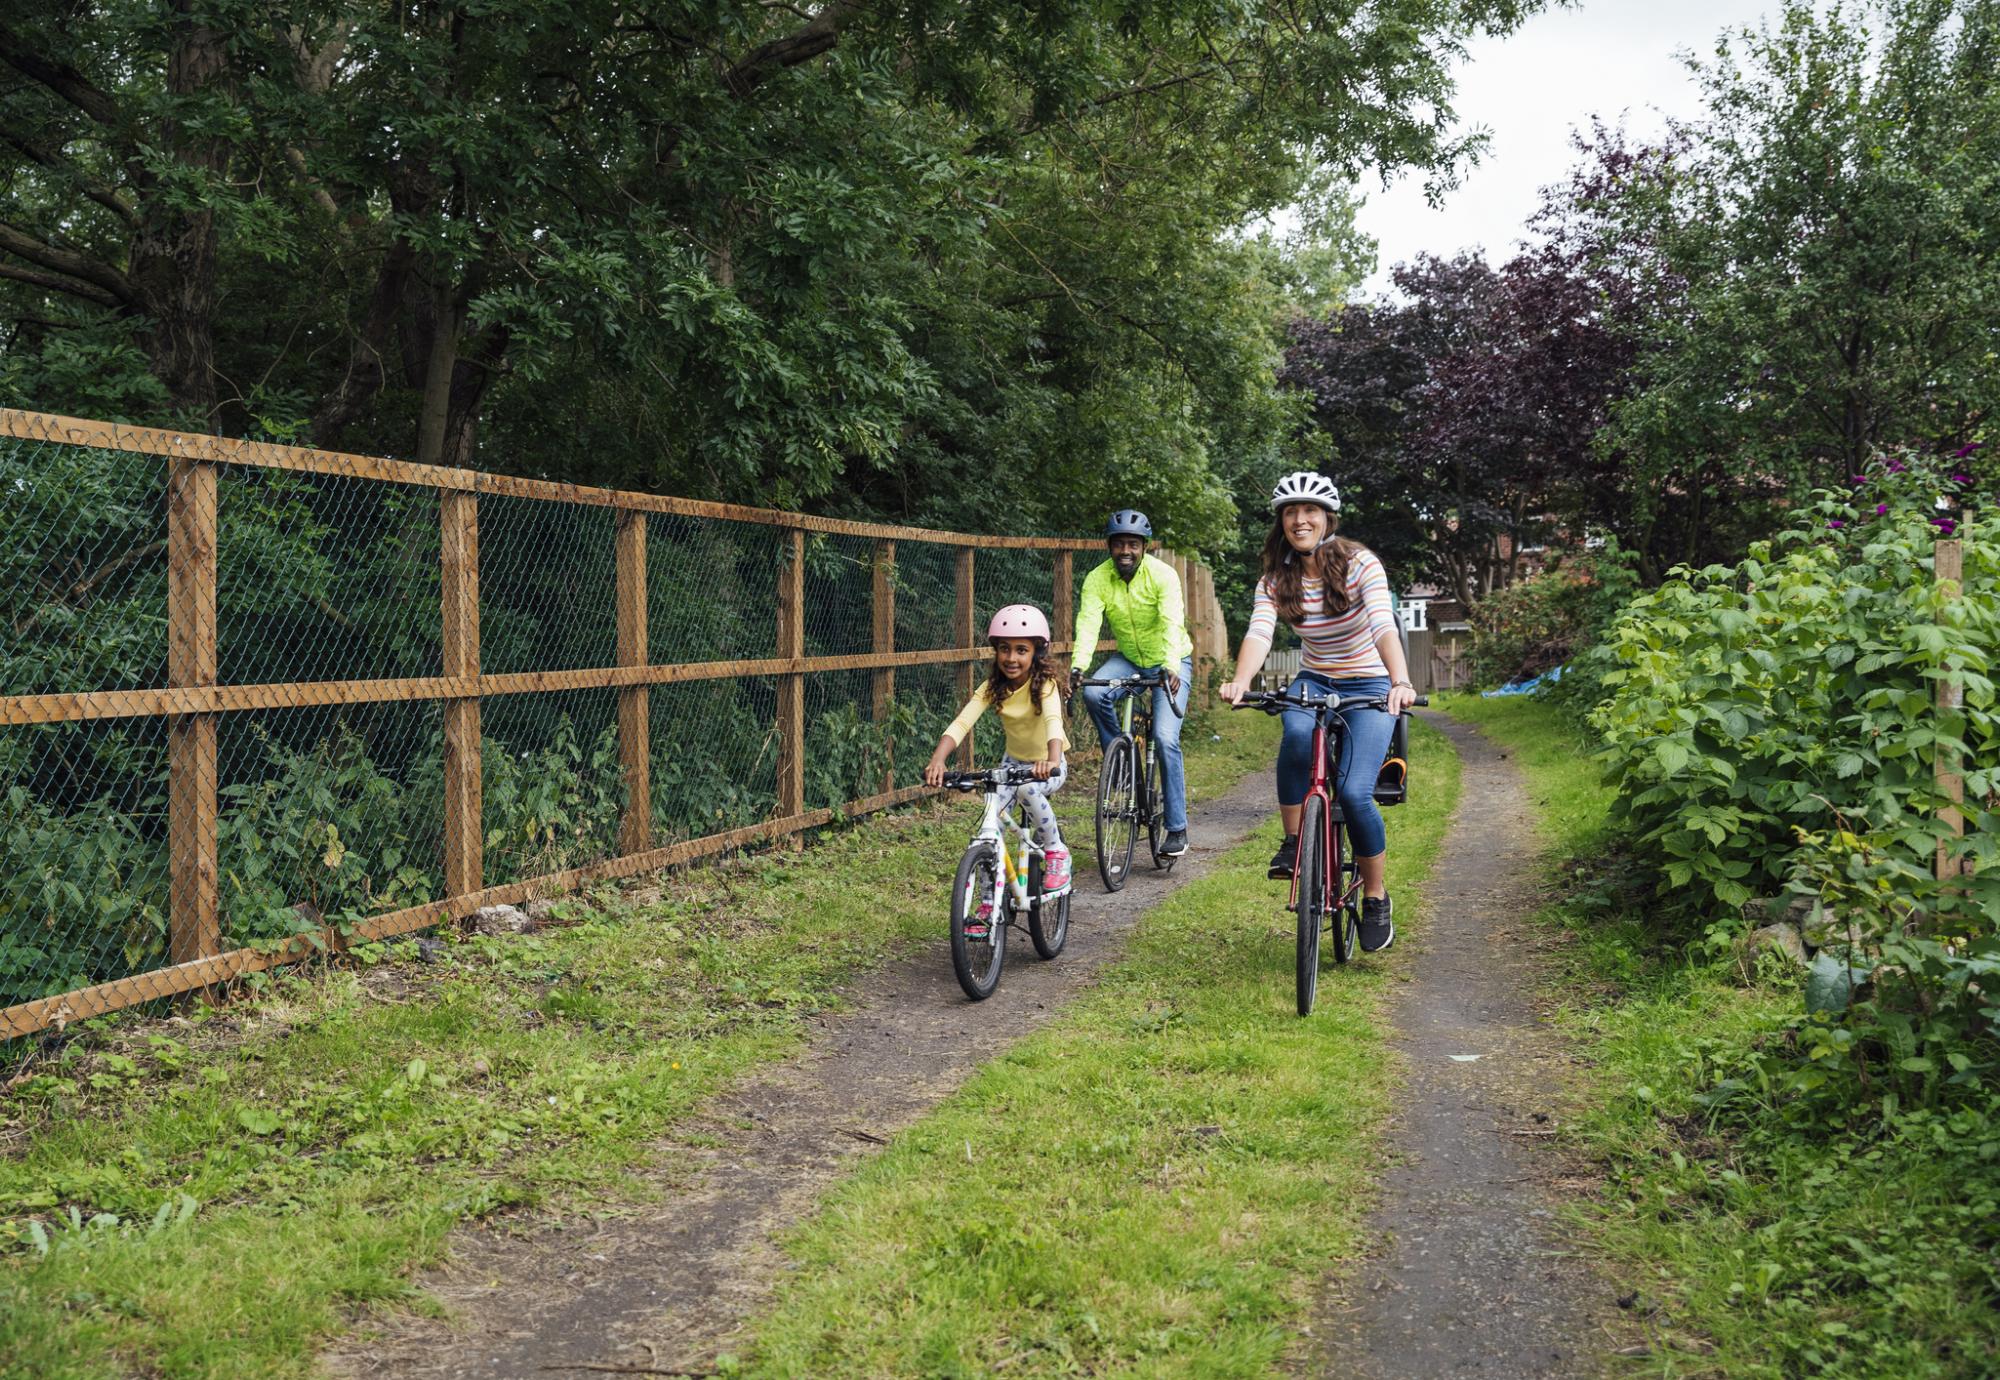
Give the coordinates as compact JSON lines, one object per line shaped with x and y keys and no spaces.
{"x":1042,"y":675}
{"x":1286,"y":569}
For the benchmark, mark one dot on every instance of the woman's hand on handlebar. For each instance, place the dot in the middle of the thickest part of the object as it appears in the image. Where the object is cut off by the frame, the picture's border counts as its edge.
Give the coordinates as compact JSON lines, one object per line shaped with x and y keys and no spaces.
{"x":1400,"y":697}
{"x":1233,"y":690}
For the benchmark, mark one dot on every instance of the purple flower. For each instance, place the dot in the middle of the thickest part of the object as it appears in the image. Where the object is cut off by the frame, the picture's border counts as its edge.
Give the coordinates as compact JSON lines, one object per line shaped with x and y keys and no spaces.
{"x":1897,"y":467}
{"x":1944,"y":525}
{"x":1835,"y":522}
{"x":1857,"y":479}
{"x":1961,"y":479}
{"x":1964,"y":451}
{"x":1880,"y":509}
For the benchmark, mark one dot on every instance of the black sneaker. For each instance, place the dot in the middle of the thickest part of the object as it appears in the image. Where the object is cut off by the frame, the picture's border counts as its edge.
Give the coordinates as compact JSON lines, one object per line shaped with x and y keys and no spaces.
{"x":1175,"y":845}
{"x":1378,"y":930}
{"x":1286,"y":860}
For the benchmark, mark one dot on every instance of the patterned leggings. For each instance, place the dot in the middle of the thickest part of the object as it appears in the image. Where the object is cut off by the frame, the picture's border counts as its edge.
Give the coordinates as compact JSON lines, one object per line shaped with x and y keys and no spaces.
{"x":1041,"y":815}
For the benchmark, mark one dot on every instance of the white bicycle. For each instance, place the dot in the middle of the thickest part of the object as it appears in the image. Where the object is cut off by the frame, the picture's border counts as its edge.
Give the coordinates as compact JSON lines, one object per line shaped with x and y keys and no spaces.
{"x":999,"y":884}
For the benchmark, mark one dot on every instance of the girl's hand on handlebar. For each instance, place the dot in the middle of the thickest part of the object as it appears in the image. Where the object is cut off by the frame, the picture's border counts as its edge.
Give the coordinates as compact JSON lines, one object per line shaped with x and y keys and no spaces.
{"x":1046,"y":768}
{"x":933,"y":773}
{"x":1233,"y":690}
{"x":1401,"y":697}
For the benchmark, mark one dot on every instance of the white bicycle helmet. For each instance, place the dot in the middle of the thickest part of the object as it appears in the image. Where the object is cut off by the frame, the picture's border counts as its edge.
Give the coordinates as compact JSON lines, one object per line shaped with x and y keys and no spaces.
{"x":1305,"y":486}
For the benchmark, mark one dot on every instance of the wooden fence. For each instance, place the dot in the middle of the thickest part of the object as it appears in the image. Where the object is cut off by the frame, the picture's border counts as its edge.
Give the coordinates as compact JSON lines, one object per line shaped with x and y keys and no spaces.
{"x":197,"y":696}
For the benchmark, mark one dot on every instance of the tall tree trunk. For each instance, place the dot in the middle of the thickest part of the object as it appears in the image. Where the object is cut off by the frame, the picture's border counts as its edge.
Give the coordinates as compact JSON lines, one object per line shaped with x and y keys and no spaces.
{"x":433,"y":416}
{"x":173,"y":250}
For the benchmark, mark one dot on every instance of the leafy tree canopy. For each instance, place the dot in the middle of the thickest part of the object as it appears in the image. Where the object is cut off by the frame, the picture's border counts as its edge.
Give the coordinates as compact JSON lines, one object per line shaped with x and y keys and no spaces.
{"x":958,"y":263}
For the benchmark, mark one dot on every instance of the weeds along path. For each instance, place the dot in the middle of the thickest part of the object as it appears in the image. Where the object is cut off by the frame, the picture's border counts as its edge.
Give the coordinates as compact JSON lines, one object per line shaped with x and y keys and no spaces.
{"x":659,"y":1287}
{"x":1474,"y":1275}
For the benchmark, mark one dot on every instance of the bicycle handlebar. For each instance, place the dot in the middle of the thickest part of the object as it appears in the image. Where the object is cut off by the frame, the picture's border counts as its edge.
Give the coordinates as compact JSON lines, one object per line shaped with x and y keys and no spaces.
{"x":991,"y":779}
{"x":1153,"y":680}
{"x":1277,"y":701}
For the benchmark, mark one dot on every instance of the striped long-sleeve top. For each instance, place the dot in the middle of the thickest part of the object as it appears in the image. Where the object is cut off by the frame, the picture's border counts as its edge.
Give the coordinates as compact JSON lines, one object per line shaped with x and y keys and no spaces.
{"x":1341,"y":647}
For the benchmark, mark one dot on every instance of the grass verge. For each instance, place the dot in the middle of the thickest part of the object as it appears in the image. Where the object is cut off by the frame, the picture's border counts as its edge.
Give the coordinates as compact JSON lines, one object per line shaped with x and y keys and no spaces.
{"x":1761,"y":1245}
{"x":1151,"y":1185}
{"x":210,"y":1195}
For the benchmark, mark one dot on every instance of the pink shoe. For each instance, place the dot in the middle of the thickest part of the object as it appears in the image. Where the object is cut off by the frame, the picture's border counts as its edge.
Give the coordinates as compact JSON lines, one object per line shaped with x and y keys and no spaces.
{"x":1055,"y":868}
{"x":981,"y":923}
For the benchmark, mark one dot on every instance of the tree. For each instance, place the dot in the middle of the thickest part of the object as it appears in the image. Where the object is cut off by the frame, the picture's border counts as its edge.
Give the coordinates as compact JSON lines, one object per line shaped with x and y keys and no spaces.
{"x":1814,"y":261}
{"x":1460,"y":420}
{"x":850,"y":256}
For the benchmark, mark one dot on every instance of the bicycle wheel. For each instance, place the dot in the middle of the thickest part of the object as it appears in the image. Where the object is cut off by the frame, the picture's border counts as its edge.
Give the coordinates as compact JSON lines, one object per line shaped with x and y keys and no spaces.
{"x":1156,"y":813}
{"x":1346,"y":920}
{"x":978,"y":947}
{"x":1312,"y":899}
{"x":1048,"y":917}
{"x":1117,"y":835}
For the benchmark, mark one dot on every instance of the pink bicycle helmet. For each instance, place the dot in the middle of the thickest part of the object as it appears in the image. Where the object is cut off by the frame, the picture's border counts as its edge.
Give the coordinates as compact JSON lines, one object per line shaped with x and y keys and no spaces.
{"x":1018,"y":620}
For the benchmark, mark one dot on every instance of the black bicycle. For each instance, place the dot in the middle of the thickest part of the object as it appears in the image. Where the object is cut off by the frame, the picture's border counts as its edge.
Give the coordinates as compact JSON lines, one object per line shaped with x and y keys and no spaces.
{"x":1128,"y":795}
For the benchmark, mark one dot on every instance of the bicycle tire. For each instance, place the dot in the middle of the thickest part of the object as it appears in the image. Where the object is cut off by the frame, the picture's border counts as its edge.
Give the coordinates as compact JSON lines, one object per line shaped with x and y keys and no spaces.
{"x":1156,"y":815}
{"x":977,"y":959}
{"x":1117,"y":836}
{"x":1312,"y":900}
{"x":1048,"y":919}
{"x":1346,"y":924}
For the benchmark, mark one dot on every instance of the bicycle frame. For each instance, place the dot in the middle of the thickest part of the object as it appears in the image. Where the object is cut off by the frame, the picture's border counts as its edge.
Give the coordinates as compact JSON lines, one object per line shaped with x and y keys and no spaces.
{"x":993,"y":829}
{"x":1338,"y":893}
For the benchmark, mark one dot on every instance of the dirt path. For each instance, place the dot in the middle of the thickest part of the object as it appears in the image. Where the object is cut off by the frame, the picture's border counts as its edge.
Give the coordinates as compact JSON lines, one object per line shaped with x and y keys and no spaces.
{"x":1474,"y":1275}
{"x":665,"y":1286}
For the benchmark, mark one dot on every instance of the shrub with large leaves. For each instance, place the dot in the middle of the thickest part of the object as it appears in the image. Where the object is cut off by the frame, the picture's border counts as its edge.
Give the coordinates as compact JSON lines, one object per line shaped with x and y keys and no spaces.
{"x":1796,"y":691}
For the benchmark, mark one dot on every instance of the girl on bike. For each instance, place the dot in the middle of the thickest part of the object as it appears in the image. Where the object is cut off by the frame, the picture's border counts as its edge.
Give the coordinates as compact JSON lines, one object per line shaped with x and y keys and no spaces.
{"x":1027,"y":690}
{"x":1335,"y":595}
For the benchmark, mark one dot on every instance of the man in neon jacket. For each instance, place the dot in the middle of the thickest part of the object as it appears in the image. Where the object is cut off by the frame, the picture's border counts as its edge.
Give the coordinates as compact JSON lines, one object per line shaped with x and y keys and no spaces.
{"x":1140,"y":596}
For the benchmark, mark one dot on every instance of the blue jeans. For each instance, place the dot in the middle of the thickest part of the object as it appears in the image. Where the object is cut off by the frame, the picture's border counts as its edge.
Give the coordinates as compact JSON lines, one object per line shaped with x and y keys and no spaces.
{"x":1366,"y":745}
{"x":1102,"y":702}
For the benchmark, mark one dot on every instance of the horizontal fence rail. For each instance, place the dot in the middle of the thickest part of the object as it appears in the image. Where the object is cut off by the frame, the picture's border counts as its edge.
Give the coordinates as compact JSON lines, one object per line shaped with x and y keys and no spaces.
{"x":259,"y":702}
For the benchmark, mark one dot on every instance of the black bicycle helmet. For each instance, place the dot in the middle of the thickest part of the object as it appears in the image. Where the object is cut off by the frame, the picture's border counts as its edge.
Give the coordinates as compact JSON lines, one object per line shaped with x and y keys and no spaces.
{"x":1128,"y":522}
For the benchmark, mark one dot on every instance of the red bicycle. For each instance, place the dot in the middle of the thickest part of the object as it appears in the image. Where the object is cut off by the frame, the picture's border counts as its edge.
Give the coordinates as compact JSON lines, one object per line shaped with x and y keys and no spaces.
{"x":1326,"y":887}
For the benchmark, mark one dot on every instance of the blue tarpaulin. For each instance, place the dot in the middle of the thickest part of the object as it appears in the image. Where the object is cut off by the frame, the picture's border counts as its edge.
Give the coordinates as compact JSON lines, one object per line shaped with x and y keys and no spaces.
{"x":1528,"y":686}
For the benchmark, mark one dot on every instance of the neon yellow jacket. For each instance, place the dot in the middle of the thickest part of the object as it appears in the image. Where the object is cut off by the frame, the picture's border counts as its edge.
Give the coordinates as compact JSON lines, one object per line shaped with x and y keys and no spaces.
{"x":1148,"y":615}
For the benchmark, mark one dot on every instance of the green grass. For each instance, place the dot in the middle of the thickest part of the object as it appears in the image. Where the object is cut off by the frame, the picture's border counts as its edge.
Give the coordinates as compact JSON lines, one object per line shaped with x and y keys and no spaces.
{"x":1155,"y":1184}
{"x":332,"y":1133}
{"x":1759,"y":1246}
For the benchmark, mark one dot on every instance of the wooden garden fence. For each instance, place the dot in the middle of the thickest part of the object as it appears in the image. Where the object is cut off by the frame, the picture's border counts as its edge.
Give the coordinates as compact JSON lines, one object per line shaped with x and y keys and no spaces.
{"x":263,"y":701}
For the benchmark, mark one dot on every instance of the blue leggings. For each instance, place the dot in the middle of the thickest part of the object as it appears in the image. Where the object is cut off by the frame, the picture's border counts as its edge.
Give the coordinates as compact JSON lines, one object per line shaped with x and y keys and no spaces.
{"x":1366,"y":745}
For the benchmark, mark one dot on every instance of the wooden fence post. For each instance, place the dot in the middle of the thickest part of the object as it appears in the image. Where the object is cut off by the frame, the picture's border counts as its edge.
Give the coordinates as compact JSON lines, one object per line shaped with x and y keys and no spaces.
{"x":792,"y":686}
{"x":968,"y":671}
{"x":1064,"y":596}
{"x":1949,"y":571}
{"x":464,"y":830}
{"x":882,"y":608}
{"x":194,"y":925}
{"x":635,"y":737}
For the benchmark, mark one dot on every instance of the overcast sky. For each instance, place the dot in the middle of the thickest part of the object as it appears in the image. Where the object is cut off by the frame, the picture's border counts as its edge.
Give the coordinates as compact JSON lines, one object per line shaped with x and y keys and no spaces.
{"x":1614,"y":58}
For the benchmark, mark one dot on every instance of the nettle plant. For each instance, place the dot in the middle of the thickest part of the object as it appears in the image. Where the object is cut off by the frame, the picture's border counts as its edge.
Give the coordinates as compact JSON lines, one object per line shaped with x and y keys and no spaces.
{"x":1796,"y":691}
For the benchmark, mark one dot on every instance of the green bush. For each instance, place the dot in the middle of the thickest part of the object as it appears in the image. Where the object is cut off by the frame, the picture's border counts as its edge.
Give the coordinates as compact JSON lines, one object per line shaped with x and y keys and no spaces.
{"x":1543,"y":622}
{"x":1771,"y":727}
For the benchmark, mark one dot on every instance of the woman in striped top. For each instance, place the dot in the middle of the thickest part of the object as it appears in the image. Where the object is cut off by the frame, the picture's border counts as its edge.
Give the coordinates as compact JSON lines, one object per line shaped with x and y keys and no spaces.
{"x":1335,"y":595}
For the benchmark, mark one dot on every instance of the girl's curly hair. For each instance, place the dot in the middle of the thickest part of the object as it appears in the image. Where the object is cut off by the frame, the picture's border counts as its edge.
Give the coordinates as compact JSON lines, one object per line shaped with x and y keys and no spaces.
{"x":1042,"y":675}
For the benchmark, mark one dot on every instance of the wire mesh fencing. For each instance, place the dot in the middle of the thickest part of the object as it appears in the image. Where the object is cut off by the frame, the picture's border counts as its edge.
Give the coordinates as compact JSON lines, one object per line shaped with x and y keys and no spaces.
{"x":258,"y":702}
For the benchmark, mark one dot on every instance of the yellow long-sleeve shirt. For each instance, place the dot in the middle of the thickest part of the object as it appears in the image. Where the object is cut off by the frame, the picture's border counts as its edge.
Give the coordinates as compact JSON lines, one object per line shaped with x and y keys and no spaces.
{"x":1028,"y":733}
